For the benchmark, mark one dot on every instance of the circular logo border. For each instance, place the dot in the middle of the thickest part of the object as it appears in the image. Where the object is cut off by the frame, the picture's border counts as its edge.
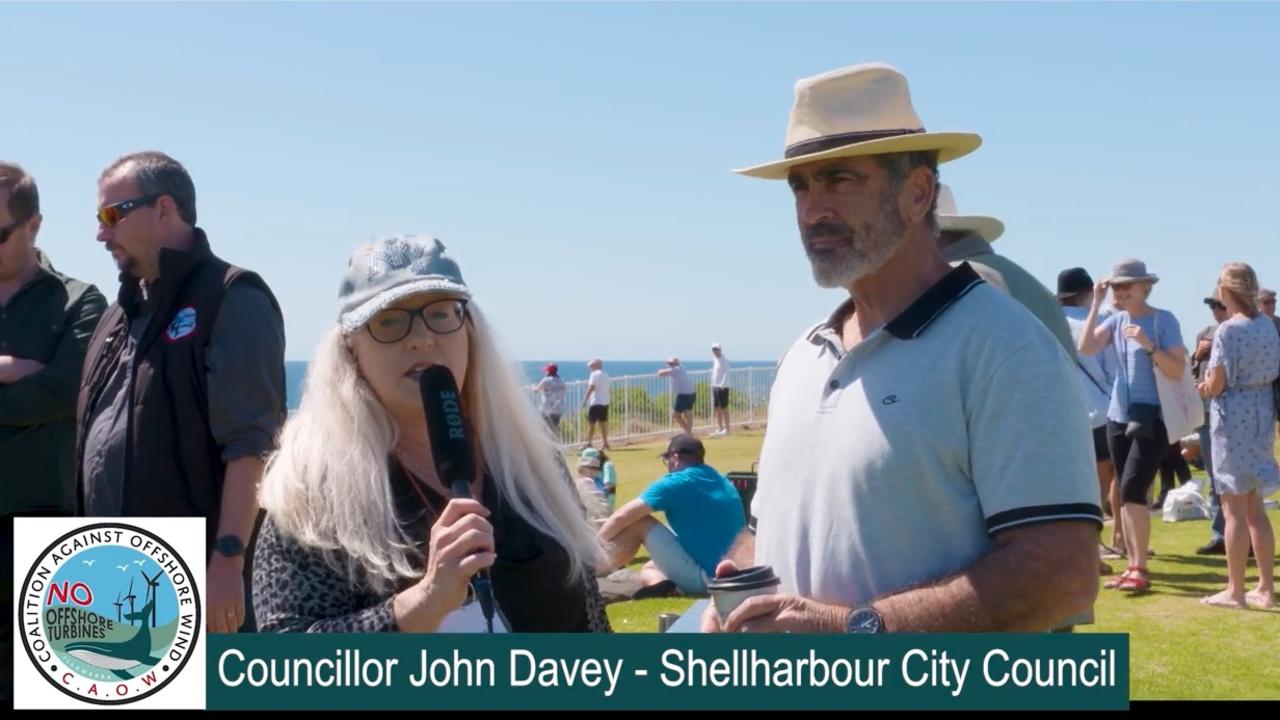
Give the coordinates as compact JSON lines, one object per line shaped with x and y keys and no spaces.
{"x":195,"y":589}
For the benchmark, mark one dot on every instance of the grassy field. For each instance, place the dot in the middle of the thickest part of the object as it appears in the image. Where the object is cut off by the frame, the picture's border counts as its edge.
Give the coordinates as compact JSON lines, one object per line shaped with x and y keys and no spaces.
{"x":1179,"y":649}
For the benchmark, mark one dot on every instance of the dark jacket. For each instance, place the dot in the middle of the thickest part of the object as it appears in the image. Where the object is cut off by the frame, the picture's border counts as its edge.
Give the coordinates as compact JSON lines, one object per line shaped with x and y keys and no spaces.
{"x":50,"y":321}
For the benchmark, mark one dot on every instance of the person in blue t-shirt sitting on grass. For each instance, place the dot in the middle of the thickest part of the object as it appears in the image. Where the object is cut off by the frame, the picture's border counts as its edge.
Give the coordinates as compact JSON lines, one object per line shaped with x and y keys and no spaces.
{"x":703,"y":508}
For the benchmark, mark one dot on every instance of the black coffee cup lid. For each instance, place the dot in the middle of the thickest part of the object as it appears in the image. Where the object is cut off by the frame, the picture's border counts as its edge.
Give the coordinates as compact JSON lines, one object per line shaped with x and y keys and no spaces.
{"x":751,"y":578}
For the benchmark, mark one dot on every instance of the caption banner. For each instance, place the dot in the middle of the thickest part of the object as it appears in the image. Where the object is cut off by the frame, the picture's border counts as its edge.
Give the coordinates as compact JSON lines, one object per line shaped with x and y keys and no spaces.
{"x":668,"y":671}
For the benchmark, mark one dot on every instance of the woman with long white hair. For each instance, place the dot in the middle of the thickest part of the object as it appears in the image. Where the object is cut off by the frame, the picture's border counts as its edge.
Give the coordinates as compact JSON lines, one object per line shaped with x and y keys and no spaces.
{"x":361,"y":535}
{"x":1243,"y":364}
{"x":1147,"y":341}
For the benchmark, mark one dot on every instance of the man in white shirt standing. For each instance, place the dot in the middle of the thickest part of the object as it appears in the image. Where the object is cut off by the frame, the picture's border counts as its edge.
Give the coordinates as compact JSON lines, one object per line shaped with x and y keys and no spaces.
{"x":720,"y":389}
{"x":929,"y":410}
{"x":597,"y":402}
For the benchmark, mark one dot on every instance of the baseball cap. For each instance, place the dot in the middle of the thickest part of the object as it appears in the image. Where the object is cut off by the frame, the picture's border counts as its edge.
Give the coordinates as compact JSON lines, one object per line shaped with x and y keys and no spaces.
{"x":392,"y":267}
{"x":686,"y":444}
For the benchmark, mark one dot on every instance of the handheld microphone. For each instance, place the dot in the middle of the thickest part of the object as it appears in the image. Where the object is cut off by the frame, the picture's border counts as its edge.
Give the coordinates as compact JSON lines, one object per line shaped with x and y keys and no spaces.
{"x":451,"y":450}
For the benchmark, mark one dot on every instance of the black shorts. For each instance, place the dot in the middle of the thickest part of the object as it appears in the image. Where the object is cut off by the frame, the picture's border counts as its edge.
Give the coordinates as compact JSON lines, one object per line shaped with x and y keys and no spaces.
{"x":684,"y":402}
{"x":1101,"y":453}
{"x":1137,"y":460}
{"x":720,"y":397}
{"x":598,"y":413}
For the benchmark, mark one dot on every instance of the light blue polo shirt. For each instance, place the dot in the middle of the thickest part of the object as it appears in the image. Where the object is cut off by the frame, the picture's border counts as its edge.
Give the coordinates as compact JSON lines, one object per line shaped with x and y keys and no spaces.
{"x":898,"y":463}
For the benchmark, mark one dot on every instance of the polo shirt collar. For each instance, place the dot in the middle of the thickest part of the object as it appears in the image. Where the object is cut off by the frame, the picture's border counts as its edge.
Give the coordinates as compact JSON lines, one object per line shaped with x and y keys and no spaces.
{"x":912,"y":322}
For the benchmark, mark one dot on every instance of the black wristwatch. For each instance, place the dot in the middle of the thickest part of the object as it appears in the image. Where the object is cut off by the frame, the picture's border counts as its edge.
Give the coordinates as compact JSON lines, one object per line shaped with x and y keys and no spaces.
{"x":229,"y":546}
{"x":864,"y":621}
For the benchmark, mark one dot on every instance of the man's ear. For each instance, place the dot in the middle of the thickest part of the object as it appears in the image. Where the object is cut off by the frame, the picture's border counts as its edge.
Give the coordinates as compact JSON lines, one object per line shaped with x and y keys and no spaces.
{"x":917,"y":194}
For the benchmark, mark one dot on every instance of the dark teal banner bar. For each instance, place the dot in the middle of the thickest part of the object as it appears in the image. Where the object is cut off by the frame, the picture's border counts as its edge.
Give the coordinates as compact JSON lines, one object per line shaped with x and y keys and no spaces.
{"x":671,"y":671}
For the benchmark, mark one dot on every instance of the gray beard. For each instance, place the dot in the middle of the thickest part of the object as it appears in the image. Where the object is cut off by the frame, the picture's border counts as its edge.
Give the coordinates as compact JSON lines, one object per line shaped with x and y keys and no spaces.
{"x":841,"y":268}
{"x":864,"y":251}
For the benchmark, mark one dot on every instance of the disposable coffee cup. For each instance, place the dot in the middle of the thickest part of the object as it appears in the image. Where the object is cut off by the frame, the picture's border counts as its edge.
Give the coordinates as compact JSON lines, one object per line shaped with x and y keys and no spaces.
{"x":730,"y":591}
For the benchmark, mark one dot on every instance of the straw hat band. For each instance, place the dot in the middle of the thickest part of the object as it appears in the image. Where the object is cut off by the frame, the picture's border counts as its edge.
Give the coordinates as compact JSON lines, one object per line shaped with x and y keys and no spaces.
{"x":831,"y":142}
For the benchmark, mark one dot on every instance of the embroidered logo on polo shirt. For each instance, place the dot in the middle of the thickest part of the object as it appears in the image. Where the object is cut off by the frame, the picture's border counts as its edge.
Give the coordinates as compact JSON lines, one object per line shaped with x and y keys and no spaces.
{"x":183,"y":324}
{"x":890,"y":400}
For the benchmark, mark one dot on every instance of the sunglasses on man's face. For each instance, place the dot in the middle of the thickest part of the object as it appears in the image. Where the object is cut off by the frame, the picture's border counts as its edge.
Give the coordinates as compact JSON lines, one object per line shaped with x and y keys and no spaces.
{"x":9,"y":229}
{"x":111,"y":215}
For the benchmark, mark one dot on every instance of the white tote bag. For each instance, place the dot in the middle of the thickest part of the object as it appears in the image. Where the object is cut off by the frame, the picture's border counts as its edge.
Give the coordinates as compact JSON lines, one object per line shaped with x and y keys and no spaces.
{"x":1180,"y":402}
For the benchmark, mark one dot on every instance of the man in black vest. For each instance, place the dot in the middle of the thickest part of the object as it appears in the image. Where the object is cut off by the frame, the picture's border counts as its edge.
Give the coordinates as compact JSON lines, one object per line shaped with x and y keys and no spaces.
{"x":183,"y":388}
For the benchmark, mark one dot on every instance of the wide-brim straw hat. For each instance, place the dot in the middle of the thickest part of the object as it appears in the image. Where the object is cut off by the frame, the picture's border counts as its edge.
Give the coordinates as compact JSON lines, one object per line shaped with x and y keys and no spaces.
{"x":859,"y":110}
{"x":949,"y":219}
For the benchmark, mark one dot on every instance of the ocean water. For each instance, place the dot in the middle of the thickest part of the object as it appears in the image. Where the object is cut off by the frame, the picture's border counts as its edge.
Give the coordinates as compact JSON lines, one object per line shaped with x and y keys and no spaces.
{"x":570,"y":370}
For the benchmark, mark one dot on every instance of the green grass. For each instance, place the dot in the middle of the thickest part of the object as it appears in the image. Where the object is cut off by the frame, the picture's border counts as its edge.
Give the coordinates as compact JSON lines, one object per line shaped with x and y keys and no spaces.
{"x":1179,"y":649}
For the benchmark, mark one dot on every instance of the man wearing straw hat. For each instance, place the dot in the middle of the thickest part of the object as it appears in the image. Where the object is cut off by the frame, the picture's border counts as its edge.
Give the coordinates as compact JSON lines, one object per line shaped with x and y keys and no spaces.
{"x":968,"y":238}
{"x":928,"y":411}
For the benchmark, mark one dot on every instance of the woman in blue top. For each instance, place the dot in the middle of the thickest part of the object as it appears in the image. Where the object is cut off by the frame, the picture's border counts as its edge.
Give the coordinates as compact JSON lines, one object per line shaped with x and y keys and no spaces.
{"x":1245,"y":360}
{"x":1147,"y":340}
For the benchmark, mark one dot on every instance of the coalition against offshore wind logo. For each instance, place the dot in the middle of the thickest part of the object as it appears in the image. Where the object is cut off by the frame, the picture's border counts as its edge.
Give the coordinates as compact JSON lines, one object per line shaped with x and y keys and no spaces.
{"x":109,"y":613}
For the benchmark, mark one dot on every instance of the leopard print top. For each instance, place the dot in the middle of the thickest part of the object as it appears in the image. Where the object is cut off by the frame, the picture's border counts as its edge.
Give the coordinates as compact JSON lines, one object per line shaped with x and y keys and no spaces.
{"x":296,"y":590}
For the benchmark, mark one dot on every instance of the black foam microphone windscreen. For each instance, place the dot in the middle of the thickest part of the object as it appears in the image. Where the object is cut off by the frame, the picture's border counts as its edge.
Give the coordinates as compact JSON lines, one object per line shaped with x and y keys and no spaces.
{"x":447,"y":429}
{"x":451,"y":450}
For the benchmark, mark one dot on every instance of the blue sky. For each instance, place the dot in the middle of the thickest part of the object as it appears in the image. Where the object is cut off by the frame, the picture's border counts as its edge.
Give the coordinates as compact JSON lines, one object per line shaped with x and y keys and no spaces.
{"x":575,"y":157}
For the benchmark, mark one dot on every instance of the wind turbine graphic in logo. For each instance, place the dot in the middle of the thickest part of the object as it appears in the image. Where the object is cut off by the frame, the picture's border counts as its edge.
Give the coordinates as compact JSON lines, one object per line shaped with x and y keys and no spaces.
{"x":152,"y":584}
{"x":127,"y":655}
{"x":131,"y":597}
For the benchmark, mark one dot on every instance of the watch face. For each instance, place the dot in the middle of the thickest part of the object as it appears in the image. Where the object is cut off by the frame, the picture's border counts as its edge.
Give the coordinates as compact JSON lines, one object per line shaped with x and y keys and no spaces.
{"x":229,"y":545}
{"x":864,"y":621}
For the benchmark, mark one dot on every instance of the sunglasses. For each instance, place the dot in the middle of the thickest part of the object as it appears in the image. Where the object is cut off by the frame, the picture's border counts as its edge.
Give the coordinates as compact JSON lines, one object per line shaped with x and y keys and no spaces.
{"x":9,"y":229}
{"x":441,"y":317}
{"x":111,"y":215}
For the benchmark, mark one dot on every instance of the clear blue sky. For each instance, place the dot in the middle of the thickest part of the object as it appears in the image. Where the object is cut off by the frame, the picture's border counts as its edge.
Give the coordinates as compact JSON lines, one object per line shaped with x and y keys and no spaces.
{"x":575,"y":157}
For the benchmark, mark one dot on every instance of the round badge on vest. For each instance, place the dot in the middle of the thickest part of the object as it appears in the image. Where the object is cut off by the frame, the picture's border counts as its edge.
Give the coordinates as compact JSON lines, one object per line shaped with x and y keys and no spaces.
{"x":182,"y":325}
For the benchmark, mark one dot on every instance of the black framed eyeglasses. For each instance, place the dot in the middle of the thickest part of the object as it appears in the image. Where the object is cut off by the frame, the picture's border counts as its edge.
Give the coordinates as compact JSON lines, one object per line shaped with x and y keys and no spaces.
{"x":112,"y":214}
{"x":9,"y":229}
{"x":441,"y":317}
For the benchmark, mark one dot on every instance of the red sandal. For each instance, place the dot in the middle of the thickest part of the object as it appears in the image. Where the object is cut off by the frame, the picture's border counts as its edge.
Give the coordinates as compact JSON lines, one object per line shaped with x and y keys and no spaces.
{"x":1114,"y":582}
{"x":1138,"y":581}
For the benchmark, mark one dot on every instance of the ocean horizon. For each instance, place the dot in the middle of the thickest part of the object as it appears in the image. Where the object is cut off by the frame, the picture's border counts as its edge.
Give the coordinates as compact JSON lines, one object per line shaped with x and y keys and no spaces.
{"x":570,"y":371}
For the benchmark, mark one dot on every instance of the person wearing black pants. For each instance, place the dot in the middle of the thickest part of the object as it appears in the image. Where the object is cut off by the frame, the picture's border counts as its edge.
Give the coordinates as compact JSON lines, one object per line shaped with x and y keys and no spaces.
{"x":1148,"y":343}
